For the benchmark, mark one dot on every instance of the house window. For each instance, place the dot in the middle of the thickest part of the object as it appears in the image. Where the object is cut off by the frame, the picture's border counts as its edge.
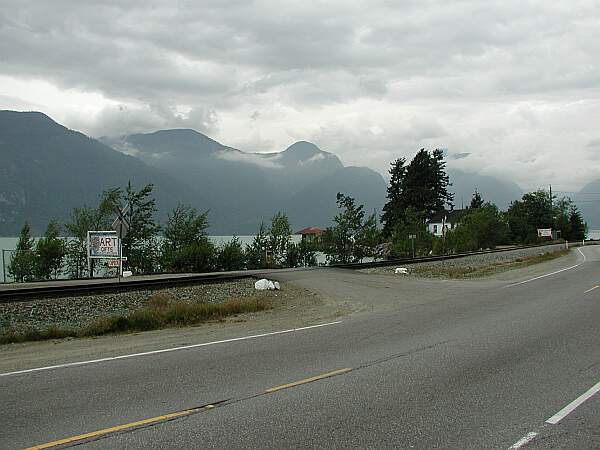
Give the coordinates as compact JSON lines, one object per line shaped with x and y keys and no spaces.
{"x":435,"y":229}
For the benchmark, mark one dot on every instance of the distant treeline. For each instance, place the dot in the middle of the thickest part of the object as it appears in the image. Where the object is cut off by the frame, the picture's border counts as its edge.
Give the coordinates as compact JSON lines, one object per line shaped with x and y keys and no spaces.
{"x":417,"y":191}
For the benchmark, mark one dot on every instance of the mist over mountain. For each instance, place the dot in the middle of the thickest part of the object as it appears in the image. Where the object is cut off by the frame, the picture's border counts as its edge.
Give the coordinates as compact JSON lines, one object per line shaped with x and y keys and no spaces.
{"x":588,"y":202}
{"x":245,"y":188}
{"x":48,"y":169}
{"x":500,"y":192}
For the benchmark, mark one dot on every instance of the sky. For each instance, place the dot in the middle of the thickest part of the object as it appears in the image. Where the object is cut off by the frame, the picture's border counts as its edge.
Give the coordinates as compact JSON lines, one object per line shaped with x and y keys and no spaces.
{"x":509,"y":88}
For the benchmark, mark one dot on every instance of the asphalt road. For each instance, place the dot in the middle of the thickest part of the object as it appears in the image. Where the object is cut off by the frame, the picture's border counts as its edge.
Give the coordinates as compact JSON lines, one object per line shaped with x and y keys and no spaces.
{"x":419,"y":364}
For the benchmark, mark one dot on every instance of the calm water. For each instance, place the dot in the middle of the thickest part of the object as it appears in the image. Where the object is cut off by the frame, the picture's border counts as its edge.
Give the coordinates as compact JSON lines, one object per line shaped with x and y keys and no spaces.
{"x":10,"y":243}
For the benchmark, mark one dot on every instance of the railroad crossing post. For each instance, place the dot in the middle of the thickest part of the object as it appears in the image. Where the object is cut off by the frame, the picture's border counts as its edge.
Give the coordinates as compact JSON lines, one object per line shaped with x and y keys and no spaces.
{"x":3,"y":267}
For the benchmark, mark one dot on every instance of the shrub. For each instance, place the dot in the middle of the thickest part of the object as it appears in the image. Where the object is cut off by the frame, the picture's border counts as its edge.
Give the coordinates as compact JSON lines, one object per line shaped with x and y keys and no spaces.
{"x":231,"y":256}
{"x":159,"y":300}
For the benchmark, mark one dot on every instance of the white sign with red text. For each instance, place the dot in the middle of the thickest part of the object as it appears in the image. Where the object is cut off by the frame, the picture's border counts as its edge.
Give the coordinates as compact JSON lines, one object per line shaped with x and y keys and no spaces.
{"x":103,"y":244}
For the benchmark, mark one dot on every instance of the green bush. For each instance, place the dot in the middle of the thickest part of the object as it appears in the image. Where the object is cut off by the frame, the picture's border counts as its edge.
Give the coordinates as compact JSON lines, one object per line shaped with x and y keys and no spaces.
{"x":197,"y":256}
{"x":231,"y":256}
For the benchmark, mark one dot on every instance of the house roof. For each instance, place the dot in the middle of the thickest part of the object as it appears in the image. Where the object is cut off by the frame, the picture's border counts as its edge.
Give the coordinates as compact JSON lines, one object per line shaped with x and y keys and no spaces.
{"x":452,"y":216}
{"x":310,"y":230}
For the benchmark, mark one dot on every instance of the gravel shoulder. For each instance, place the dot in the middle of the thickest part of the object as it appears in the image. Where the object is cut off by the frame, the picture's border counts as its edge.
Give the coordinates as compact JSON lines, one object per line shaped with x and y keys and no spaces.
{"x":293,"y":307}
{"x":77,"y":311}
{"x":478,"y":265}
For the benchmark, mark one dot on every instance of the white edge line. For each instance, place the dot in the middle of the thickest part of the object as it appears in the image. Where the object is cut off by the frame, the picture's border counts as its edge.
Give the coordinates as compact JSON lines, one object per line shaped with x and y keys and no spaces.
{"x":573,"y":405}
{"x":523,"y":441}
{"x":550,"y":274}
{"x":166,"y":350}
{"x":590,"y":290}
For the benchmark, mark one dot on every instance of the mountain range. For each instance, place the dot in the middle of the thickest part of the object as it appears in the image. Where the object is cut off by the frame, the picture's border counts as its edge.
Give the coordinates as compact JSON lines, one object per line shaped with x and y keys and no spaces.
{"x":48,"y":169}
{"x":244,"y":188}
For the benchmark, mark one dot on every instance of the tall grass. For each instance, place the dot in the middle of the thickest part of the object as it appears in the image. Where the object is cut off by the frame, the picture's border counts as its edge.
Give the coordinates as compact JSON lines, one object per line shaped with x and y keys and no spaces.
{"x":159,"y":313}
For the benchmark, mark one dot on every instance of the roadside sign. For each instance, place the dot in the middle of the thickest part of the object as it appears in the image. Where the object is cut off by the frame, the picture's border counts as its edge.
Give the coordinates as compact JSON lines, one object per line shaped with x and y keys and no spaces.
{"x":115,"y":262}
{"x":545,"y":233}
{"x":412,"y":236}
{"x":103,"y":244}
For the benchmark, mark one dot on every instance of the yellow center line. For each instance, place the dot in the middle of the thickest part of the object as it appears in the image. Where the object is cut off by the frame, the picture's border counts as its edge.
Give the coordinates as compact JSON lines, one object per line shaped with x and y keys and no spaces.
{"x":590,"y":290}
{"x":127,"y":426}
{"x":153,"y":420}
{"x":308,"y":380}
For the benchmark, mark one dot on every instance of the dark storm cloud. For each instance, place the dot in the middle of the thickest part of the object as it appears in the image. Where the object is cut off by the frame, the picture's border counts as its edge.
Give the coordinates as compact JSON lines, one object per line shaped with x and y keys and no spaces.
{"x":366,"y":77}
{"x":204,"y":50}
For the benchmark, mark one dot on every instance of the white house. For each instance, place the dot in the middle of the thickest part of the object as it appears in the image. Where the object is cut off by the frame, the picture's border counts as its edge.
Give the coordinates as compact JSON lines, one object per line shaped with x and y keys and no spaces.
{"x":447,"y":219}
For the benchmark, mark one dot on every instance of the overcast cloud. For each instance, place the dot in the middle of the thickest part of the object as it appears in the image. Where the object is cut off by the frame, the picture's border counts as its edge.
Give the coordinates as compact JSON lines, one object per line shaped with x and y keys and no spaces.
{"x":509,"y":88}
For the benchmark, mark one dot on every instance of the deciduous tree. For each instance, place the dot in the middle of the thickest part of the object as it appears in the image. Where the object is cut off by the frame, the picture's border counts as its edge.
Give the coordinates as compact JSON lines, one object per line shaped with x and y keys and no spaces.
{"x":140,"y":243}
{"x":186,"y":247}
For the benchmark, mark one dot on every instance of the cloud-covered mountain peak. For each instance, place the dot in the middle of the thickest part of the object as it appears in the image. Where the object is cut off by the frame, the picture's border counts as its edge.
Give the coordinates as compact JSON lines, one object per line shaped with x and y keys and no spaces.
{"x":303,"y":152}
{"x":181,"y":141}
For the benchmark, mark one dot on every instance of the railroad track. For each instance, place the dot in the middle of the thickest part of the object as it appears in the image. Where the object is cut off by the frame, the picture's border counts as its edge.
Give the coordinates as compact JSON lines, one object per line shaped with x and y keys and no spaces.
{"x":15,"y":292}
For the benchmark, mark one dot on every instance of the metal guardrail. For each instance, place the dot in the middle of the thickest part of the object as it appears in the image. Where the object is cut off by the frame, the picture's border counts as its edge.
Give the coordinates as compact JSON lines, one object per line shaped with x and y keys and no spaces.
{"x":14,"y":293}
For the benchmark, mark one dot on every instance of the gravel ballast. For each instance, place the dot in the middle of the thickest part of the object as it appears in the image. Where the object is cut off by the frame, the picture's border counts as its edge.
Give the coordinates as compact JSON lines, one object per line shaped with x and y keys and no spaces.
{"x":76,"y":311}
{"x":473,"y":261}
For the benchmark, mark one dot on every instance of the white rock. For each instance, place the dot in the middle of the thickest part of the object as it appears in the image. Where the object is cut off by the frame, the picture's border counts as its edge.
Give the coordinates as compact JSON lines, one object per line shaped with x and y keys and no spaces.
{"x":271,"y":286}
{"x":261,"y":285}
{"x":401,"y":270}
{"x":127,"y":273}
{"x":277,"y":286}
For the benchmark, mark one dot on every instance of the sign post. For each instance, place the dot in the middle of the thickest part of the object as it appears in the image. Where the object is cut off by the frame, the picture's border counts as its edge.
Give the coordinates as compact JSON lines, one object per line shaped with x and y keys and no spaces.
{"x":3,"y":267}
{"x":121,"y":226}
{"x":412,"y":237}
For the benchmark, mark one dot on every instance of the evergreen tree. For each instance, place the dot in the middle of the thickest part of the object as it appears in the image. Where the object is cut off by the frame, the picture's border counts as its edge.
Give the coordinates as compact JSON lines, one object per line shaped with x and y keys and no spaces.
{"x":422,"y":185}
{"x":394,"y":208}
{"x":426,"y":183}
{"x":50,"y":252}
{"x":22,"y":264}
{"x":577,"y":225}
{"x":562,"y":209}
{"x":476,"y":200}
